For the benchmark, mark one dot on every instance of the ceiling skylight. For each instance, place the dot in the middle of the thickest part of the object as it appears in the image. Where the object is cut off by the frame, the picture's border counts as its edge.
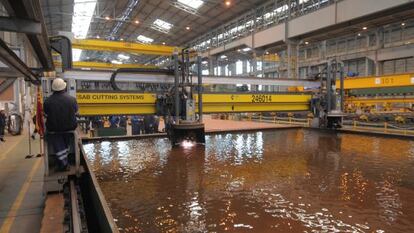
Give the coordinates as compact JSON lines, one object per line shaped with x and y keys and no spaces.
{"x":191,"y":3}
{"x":145,"y":39}
{"x":161,"y":25}
{"x":82,"y":15}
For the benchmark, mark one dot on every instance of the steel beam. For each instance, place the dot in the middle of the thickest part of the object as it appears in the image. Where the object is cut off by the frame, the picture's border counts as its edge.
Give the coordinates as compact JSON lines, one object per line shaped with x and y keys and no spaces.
{"x":144,"y":103}
{"x":105,"y":66}
{"x":162,"y":78}
{"x":31,"y":10}
{"x":8,"y":57}
{"x":127,"y":47}
{"x":384,"y":100}
{"x":13,"y":24}
{"x":6,"y":72}
{"x":6,"y":84}
{"x":378,"y":81}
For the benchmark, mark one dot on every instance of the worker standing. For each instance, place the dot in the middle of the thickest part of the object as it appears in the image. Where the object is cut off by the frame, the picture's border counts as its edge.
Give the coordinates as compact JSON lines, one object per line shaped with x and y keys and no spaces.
{"x":60,"y":111}
{"x":2,"y":124}
{"x":136,"y":125}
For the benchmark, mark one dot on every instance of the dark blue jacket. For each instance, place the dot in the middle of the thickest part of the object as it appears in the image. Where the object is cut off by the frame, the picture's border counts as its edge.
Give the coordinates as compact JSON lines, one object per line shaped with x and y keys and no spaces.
{"x":60,"y":110}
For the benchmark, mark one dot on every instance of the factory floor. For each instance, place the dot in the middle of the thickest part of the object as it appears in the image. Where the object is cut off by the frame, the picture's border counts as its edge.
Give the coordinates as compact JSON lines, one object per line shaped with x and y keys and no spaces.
{"x":21,"y":185}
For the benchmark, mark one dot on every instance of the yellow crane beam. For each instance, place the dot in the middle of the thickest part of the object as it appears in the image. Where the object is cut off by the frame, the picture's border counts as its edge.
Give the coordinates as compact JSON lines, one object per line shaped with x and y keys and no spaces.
{"x":103,"y":65}
{"x":397,"y":80}
{"x":271,"y":58}
{"x":126,"y":47}
{"x":144,"y":103}
{"x":367,"y":101}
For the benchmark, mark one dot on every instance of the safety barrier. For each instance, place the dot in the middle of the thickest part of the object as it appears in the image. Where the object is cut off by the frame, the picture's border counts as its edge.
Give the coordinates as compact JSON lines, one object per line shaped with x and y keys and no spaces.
{"x":280,"y":120}
{"x":384,"y":127}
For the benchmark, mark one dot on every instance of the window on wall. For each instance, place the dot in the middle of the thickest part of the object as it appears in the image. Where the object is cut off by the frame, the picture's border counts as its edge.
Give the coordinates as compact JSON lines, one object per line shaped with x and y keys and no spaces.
{"x":239,"y":67}
{"x":259,"y":65}
{"x":217,"y":70}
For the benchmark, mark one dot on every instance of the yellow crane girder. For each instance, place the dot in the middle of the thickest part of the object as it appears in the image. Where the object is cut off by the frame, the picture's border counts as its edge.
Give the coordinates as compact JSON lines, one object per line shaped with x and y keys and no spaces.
{"x":144,"y":103}
{"x":398,"y":80}
{"x":106,"y":66}
{"x":369,"y":101}
{"x":126,"y":47}
{"x":378,"y":81}
{"x":271,"y":58}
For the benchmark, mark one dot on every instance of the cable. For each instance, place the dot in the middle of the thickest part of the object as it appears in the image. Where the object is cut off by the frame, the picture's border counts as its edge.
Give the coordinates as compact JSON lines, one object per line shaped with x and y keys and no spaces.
{"x":136,"y":70}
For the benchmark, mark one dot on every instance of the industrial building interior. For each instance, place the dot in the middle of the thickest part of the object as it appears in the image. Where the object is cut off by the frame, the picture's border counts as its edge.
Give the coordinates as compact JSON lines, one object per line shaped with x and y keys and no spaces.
{"x":207,"y":116}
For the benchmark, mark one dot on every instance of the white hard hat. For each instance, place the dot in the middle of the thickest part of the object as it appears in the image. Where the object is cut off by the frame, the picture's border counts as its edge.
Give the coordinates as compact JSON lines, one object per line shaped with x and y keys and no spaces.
{"x":58,"y":84}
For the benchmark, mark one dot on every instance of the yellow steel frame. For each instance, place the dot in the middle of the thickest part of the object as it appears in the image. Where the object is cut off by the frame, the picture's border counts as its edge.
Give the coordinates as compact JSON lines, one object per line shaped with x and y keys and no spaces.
{"x":127,"y":47}
{"x":378,"y":81}
{"x":271,"y":58}
{"x":106,"y":66}
{"x":144,"y":103}
{"x":359,"y":101}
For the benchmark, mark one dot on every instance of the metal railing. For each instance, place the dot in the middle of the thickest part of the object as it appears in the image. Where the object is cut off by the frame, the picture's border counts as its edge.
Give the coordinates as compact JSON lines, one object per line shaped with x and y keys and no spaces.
{"x":383,"y":127}
{"x":304,"y":122}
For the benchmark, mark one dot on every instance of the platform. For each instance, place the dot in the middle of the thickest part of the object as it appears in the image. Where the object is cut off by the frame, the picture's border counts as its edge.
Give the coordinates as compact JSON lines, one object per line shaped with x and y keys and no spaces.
{"x":212,"y":126}
{"x":219,"y":126}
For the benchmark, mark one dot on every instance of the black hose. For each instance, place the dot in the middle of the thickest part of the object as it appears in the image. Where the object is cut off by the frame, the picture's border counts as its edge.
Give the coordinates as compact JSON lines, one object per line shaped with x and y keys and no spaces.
{"x":136,"y":70}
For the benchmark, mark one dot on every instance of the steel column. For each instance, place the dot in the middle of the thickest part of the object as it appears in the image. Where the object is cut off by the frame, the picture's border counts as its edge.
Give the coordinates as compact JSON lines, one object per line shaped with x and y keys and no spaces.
{"x":200,"y":89}
{"x":329,"y":87}
{"x":342,"y":90}
{"x":176,"y":85}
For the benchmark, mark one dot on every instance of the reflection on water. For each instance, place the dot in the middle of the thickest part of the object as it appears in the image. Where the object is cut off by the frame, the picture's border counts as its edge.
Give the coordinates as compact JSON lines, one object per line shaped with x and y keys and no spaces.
{"x":280,"y":181}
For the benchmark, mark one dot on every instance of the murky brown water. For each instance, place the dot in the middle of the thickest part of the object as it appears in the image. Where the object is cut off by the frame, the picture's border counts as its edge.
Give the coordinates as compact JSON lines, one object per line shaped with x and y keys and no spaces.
{"x":274,"y":181}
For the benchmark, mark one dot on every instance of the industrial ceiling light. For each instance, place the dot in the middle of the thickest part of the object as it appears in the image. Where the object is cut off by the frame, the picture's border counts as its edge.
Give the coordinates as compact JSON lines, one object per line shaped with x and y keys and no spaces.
{"x":187,"y":28}
{"x":306,"y":42}
{"x":163,"y":43}
{"x":403,"y":24}
{"x":195,"y":4}
{"x":107,"y":17}
{"x":116,"y":62}
{"x":359,"y":34}
{"x":223,"y":56}
{"x":161,"y":26}
{"x":364,"y":28}
{"x":228,"y":3}
{"x":145,"y":39}
{"x":247,"y":49}
{"x":136,"y":21}
{"x":123,"y":57}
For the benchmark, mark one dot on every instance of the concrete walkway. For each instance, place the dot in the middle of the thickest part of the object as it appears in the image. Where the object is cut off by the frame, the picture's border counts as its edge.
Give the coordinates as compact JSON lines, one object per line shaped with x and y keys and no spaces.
{"x":21,"y":186}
